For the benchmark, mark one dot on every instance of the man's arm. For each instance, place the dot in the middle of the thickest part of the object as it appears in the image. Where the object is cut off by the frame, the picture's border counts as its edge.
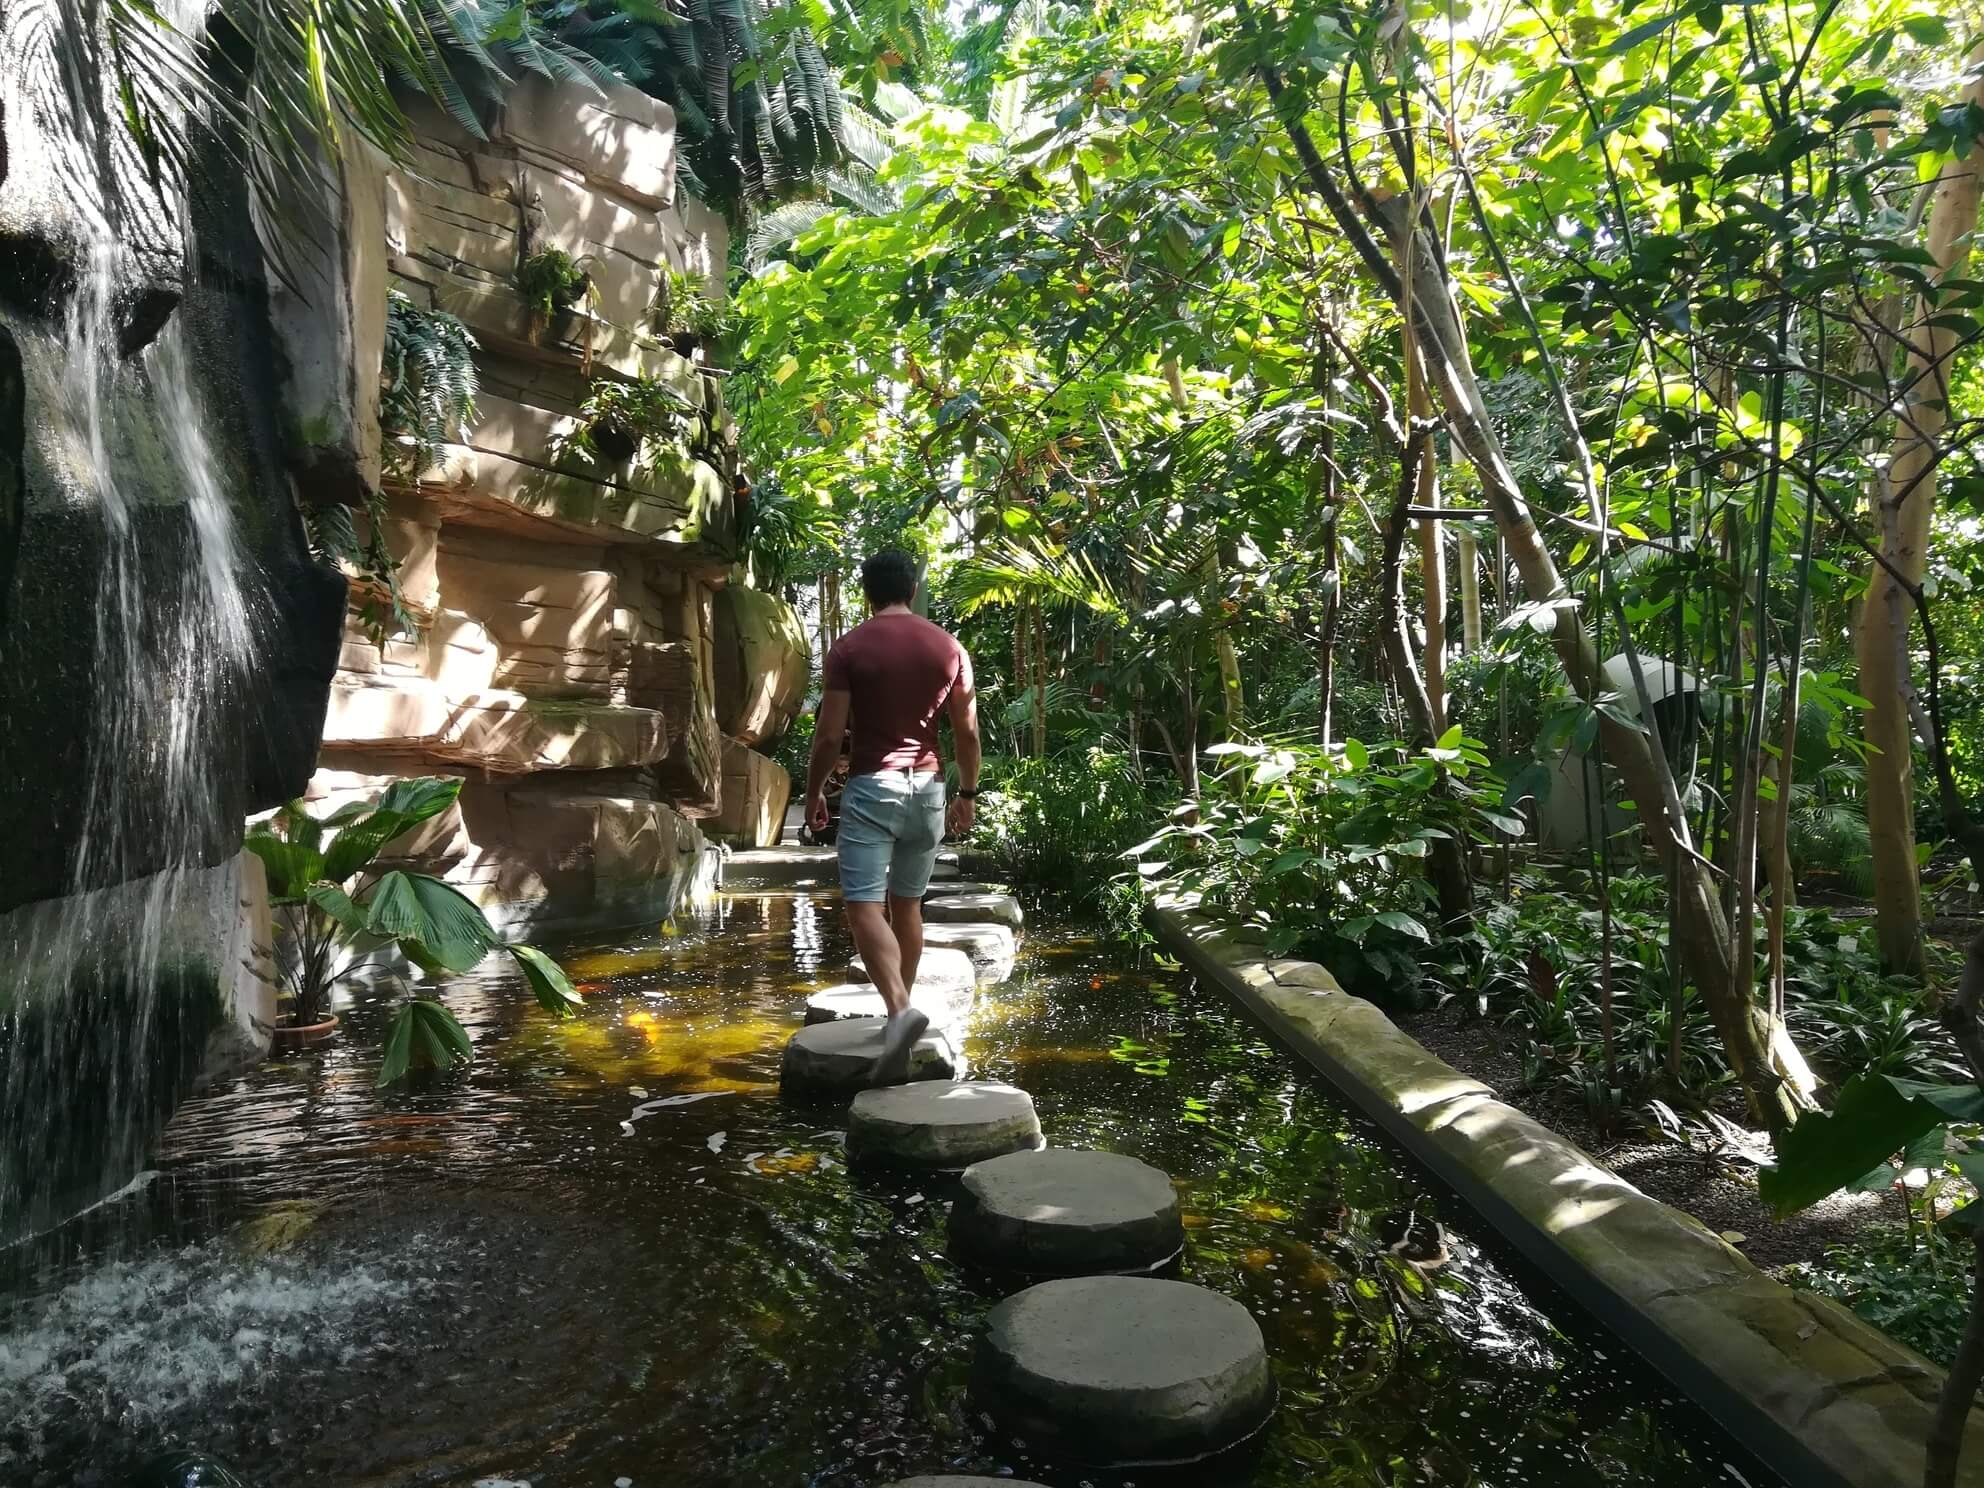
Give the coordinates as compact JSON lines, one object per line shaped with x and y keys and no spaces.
{"x":829,"y":728}
{"x":963,"y":705}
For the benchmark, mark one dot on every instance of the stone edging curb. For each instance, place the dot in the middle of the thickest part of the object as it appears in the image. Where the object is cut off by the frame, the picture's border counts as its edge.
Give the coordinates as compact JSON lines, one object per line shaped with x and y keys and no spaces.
{"x":1822,"y":1397}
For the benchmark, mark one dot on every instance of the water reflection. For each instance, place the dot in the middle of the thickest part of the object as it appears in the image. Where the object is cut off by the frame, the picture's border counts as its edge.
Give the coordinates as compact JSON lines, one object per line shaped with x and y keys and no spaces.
{"x":610,"y":1250}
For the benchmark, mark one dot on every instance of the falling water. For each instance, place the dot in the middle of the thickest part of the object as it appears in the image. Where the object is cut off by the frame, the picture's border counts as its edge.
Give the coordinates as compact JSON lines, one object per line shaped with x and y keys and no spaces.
{"x":108,"y":997}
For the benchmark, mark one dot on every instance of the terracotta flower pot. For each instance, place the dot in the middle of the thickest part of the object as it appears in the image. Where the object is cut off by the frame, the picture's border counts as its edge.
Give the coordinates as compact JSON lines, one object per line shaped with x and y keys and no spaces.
{"x":302,"y":1035}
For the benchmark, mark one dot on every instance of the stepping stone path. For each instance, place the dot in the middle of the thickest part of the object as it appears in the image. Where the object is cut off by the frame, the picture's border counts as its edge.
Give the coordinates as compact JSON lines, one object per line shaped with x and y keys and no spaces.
{"x":974,"y":909}
{"x":1124,"y":1371}
{"x":940,"y":1124}
{"x":1108,"y":1369}
{"x":951,"y":890}
{"x":992,"y":948}
{"x":946,"y":1007}
{"x":1064,"y":1212}
{"x":939,"y":967}
{"x":834,"y":1059}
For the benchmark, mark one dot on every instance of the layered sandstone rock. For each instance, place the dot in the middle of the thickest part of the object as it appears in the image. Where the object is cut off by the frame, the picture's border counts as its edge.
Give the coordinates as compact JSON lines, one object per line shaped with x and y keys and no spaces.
{"x":583,"y":641}
{"x":756,"y":792}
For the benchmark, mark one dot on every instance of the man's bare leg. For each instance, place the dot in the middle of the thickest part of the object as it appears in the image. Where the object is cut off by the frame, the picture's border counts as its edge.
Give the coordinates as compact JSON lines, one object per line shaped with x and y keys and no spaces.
{"x":906,"y":918}
{"x":875,"y":938}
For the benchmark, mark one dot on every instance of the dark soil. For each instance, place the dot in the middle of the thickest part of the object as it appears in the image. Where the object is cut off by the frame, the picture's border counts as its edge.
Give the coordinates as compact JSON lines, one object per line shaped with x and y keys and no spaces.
{"x":1719,"y":1191}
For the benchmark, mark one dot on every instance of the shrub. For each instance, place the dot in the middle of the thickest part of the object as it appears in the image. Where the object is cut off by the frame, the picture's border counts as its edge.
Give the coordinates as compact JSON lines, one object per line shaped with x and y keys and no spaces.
{"x":1916,"y":1293}
{"x":1061,"y":824}
{"x":1321,"y":850}
{"x":1535,"y":961}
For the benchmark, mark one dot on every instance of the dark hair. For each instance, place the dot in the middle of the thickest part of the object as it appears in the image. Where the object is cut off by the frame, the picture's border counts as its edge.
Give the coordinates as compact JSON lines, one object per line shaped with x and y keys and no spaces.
{"x":888,"y":578}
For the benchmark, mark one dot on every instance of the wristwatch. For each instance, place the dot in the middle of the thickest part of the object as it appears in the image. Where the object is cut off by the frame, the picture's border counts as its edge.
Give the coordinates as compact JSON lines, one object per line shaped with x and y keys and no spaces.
{"x":967,"y":795}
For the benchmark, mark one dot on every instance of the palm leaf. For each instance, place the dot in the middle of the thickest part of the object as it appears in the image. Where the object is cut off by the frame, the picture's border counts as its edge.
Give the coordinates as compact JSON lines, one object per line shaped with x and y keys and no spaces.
{"x":435,"y":924}
{"x":1011,"y":572}
{"x":774,"y":230}
{"x":547,"y":981}
{"x":292,"y":866}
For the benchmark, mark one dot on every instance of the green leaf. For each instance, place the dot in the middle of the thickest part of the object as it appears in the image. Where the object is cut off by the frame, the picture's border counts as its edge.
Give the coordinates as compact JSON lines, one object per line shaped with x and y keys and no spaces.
{"x":398,"y":1057}
{"x":1825,"y":1151}
{"x":436,"y":925}
{"x":1969,"y":1218}
{"x":1405,"y":924}
{"x":292,"y":867}
{"x":1957,"y":1102}
{"x":334,"y":902}
{"x":404,"y":805}
{"x":547,"y":980}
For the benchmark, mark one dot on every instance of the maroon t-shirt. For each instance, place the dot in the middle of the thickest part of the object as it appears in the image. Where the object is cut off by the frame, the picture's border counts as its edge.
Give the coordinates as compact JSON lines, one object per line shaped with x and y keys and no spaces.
{"x":900,"y":670}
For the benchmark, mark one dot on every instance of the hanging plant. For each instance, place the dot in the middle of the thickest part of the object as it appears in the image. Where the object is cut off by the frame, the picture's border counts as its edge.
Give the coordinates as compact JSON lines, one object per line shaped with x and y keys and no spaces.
{"x":685,"y":315}
{"x":427,"y":388}
{"x":621,"y":418}
{"x":550,"y":281}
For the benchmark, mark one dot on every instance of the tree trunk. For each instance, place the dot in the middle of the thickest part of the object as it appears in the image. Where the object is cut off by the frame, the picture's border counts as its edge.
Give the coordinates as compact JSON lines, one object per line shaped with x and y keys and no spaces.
{"x":1446,"y":862}
{"x":1432,"y":557}
{"x":1332,"y":499}
{"x":1470,"y":592}
{"x":1904,"y":499}
{"x":1648,"y":781}
{"x":1040,"y":682}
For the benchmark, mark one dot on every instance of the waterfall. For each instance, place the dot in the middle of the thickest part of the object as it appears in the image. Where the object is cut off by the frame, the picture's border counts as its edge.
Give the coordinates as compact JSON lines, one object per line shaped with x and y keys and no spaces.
{"x":108,"y":996}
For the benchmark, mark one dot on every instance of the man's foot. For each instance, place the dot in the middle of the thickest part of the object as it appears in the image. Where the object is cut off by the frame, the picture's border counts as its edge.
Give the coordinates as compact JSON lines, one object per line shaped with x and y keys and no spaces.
{"x":898,"y":1039}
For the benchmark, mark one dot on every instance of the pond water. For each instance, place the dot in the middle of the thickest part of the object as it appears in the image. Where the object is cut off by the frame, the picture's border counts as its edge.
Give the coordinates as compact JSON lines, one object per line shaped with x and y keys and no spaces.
{"x":610,"y":1254}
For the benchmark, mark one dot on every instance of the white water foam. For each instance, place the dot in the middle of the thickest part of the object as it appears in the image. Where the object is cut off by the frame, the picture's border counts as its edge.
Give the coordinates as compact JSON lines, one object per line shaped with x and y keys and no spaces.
{"x":195,"y":1332}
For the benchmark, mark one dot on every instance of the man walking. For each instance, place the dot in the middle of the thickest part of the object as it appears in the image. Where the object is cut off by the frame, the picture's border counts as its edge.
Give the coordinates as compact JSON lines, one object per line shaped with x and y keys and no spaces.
{"x":895,"y":673}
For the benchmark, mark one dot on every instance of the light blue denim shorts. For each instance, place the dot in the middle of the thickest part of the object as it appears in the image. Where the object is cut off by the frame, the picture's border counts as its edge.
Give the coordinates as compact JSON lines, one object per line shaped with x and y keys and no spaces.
{"x":890,"y":825}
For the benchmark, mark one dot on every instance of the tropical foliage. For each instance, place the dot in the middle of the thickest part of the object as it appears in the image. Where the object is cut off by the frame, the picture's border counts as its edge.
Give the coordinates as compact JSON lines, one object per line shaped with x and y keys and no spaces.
{"x":343,"y":911}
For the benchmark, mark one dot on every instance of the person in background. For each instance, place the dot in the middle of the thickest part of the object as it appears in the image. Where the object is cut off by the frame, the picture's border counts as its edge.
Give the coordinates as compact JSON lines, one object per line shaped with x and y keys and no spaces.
{"x":894,"y":675}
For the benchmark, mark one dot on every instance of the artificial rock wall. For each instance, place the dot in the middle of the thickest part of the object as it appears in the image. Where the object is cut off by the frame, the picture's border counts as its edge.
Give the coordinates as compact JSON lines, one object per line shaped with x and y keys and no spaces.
{"x":585,"y":653}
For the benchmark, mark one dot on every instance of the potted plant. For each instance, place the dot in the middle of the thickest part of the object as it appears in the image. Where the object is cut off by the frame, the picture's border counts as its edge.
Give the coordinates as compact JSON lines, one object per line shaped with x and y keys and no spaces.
{"x":685,"y":315}
{"x":550,"y":281}
{"x":339,"y":911}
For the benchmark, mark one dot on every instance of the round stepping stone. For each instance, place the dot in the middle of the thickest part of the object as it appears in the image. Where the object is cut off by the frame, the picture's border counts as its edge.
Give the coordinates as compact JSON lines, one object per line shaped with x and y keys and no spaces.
{"x":941,"y":1124}
{"x":1065,"y":1212}
{"x":1124,"y":1371}
{"x":991,"y":947}
{"x":938,"y":967}
{"x":963,"y":1483}
{"x":974,"y":909}
{"x":833,"y":1059}
{"x":945,"y":1007}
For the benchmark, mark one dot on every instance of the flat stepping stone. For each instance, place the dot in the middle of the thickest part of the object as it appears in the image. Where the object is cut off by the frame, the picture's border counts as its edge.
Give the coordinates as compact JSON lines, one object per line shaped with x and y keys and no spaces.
{"x":951,"y":890}
{"x":834,"y":1059}
{"x":974,"y":909}
{"x":963,"y":1483}
{"x":1124,"y":1371}
{"x":1065,"y":1212}
{"x":992,"y":948}
{"x":939,"y":967}
{"x":945,"y":1007}
{"x":942,"y":1124}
